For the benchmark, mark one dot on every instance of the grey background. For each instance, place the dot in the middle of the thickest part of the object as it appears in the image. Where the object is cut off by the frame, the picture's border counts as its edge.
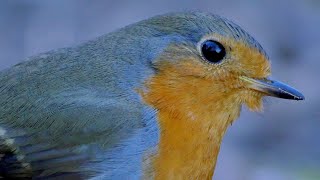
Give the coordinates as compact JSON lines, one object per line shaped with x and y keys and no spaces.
{"x":281,"y":143}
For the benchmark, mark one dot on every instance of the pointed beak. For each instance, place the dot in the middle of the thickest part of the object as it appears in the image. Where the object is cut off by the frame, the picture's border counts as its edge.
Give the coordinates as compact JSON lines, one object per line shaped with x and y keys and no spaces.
{"x":273,"y":88}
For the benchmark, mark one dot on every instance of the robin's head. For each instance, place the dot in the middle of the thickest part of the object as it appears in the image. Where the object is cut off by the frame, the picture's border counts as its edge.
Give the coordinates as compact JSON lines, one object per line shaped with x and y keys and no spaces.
{"x":205,"y":68}
{"x":210,"y":62}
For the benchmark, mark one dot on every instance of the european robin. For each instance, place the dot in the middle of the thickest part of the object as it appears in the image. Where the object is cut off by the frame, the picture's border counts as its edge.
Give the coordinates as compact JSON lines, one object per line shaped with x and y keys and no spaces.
{"x":149,"y":101}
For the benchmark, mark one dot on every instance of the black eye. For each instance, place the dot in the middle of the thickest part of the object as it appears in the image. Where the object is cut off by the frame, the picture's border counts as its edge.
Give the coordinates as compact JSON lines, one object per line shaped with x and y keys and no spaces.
{"x":213,"y":51}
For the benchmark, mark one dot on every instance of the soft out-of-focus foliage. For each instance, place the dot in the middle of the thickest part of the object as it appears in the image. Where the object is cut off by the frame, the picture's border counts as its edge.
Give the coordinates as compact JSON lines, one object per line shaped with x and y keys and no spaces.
{"x":282,"y":143}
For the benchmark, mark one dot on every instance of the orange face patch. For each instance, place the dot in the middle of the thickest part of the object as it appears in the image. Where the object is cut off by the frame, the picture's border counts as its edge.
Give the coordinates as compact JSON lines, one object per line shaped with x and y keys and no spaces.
{"x":196,"y":101}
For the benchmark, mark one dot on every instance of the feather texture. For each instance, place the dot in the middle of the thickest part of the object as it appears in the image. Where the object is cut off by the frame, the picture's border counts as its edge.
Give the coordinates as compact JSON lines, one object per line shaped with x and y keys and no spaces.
{"x":76,"y":112}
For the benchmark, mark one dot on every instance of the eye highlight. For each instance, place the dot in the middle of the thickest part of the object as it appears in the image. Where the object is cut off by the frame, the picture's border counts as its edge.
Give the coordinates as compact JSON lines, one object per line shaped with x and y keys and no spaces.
{"x":213,"y":51}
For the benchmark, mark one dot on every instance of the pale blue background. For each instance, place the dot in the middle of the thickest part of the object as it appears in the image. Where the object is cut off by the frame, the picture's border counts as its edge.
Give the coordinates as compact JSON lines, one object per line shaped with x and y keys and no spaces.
{"x":280,"y":144}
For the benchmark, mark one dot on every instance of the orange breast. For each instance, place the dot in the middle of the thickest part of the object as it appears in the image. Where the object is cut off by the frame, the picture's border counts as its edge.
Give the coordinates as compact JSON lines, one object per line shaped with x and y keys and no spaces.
{"x":191,"y":124}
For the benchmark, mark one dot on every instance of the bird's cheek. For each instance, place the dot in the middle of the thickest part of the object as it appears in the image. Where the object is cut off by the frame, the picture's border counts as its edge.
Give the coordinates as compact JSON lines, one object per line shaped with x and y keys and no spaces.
{"x":252,"y":99}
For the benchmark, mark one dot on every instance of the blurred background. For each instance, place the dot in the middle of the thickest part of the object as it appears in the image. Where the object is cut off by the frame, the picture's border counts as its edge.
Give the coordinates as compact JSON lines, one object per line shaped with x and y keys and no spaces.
{"x":283,"y":143}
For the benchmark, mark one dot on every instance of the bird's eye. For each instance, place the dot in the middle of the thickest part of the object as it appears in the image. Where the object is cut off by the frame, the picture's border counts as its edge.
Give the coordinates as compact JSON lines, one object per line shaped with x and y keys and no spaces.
{"x":213,"y":51}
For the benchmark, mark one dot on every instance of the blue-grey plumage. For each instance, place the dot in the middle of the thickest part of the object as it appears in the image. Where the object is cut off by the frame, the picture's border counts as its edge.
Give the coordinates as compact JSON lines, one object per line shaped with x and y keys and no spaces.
{"x":76,"y":112}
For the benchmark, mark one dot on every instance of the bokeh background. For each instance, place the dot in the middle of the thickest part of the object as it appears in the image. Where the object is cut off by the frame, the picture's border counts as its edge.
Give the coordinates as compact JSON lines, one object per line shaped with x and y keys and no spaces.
{"x":283,"y":143}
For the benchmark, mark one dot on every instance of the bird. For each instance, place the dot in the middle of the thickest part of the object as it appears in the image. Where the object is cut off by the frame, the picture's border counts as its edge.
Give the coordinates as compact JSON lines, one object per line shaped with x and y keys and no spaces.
{"x":151,"y":100}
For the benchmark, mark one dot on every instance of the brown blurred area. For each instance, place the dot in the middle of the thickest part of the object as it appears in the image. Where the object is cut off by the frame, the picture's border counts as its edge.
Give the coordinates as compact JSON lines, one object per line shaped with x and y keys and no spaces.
{"x":283,"y":143}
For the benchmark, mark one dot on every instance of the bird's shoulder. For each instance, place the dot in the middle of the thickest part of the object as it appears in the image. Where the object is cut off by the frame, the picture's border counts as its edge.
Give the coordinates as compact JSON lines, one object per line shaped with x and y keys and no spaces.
{"x":55,"y":113}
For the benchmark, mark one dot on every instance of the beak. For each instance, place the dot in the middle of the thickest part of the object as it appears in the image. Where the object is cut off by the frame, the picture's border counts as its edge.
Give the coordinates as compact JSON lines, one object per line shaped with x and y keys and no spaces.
{"x":273,"y":88}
